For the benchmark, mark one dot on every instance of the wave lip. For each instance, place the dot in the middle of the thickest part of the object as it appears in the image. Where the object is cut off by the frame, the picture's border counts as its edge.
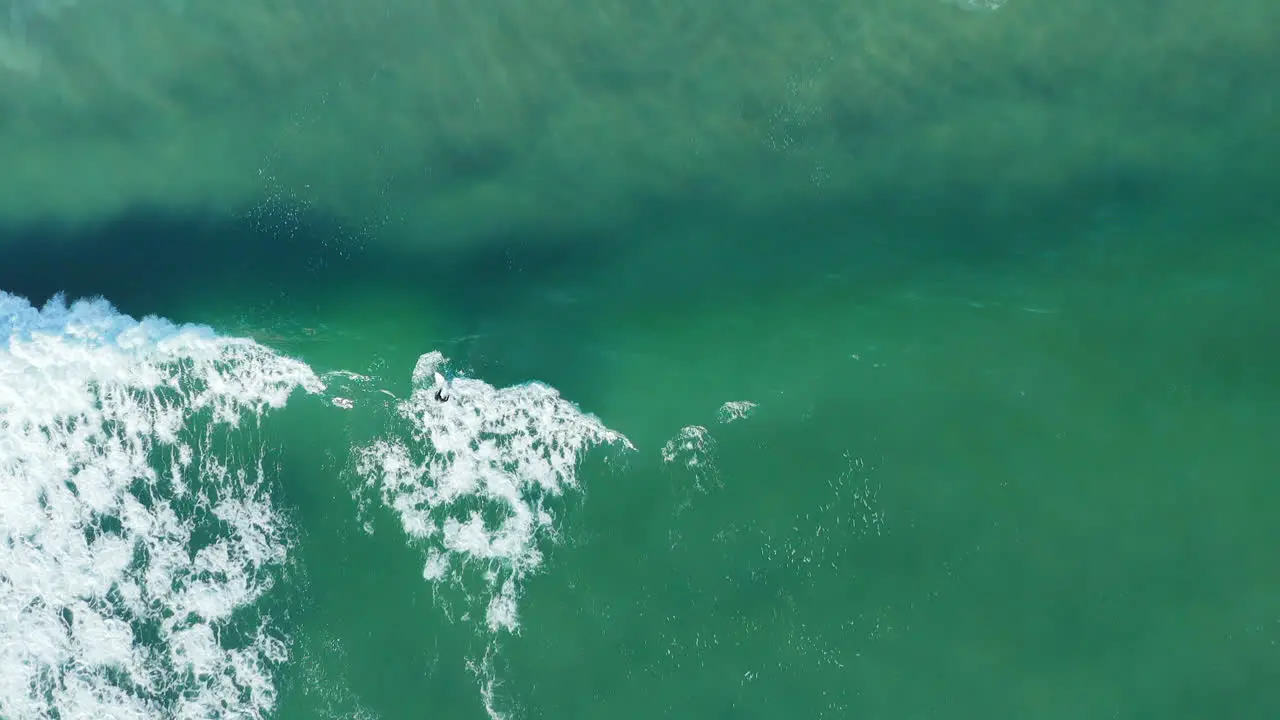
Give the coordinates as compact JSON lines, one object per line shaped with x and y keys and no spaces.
{"x":136,"y":530}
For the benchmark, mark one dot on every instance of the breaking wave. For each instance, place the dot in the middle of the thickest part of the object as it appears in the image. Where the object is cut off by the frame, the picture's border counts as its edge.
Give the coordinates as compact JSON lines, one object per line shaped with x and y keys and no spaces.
{"x":472,"y":479}
{"x":137,"y":530}
{"x":139,"y":538}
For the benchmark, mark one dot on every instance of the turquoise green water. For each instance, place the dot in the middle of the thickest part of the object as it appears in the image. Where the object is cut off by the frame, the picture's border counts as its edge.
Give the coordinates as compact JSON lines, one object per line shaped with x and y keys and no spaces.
{"x":1011,"y":449}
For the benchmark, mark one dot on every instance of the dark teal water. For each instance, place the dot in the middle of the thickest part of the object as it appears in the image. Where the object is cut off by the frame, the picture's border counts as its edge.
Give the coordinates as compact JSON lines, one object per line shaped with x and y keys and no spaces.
{"x":1005,"y":314}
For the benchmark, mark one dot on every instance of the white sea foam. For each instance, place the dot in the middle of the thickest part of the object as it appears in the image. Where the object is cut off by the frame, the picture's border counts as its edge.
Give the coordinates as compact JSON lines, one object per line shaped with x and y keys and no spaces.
{"x":471,"y":478}
{"x":978,"y":5}
{"x":692,"y":451}
{"x":735,"y":410}
{"x":135,"y":531}
{"x":694,"y":448}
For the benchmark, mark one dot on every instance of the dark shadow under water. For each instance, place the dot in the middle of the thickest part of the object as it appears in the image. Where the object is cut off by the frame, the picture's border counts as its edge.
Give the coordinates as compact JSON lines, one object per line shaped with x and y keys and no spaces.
{"x":529,"y":303}
{"x":174,"y":264}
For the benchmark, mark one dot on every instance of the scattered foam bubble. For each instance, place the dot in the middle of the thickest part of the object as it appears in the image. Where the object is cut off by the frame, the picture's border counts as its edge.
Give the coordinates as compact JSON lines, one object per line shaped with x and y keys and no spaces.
{"x":856,"y":498}
{"x":131,"y":553}
{"x":323,"y":666}
{"x":472,"y":478}
{"x":735,"y":410}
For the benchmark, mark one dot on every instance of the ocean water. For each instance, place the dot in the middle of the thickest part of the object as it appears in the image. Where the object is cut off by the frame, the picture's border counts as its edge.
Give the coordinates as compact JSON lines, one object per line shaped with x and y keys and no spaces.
{"x":859,"y":360}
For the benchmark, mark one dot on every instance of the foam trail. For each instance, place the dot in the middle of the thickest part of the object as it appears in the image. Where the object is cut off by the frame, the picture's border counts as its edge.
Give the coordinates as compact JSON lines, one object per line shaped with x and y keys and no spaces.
{"x":136,"y":534}
{"x":472,"y":479}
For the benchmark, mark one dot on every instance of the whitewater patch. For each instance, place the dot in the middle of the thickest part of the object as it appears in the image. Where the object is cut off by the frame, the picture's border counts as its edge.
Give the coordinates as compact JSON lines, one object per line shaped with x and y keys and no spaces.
{"x":137,"y":532}
{"x":735,"y":410}
{"x":472,"y":478}
{"x":694,"y":447}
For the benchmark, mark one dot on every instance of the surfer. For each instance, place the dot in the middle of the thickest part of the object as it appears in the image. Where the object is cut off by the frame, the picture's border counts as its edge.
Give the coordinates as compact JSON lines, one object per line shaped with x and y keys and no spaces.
{"x":442,"y":388}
